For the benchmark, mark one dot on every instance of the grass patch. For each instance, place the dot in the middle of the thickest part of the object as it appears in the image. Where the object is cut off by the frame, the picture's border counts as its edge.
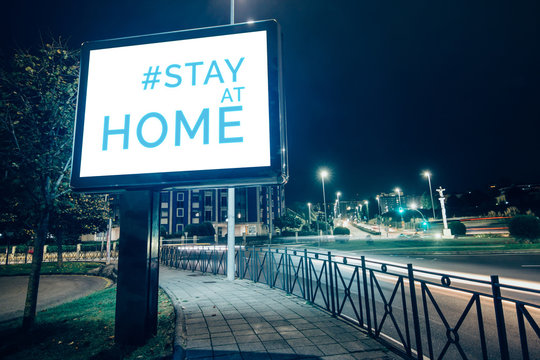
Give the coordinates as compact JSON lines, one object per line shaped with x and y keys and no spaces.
{"x":414,"y":246}
{"x":75,"y":267}
{"x":84,"y":329}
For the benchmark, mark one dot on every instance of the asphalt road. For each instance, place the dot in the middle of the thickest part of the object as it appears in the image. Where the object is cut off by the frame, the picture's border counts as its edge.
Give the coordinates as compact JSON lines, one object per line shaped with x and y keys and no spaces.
{"x":511,"y":266}
{"x":53,"y":290}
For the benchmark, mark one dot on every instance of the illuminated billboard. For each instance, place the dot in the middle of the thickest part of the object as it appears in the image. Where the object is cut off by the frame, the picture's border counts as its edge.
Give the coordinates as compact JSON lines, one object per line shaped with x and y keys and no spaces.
{"x":190,"y":108}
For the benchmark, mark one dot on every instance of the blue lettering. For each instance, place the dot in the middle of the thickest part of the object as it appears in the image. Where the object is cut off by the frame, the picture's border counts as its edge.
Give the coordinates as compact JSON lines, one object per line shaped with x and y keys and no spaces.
{"x":107,"y":132}
{"x":238,"y":91}
{"x":223,"y":124}
{"x":227,"y":95}
{"x":203,"y":118}
{"x":209,"y":75}
{"x":234,"y":70}
{"x":163,"y":130}
{"x":175,"y":76}
{"x":194,"y":71}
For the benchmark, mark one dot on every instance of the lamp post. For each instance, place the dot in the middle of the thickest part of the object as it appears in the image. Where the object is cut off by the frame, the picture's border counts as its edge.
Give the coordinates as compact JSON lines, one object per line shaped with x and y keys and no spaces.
{"x":379,"y":209}
{"x":324,"y":174}
{"x":398,"y":191}
{"x":309,"y":213}
{"x":367,"y":210}
{"x":414,"y":207}
{"x":338,"y":194}
{"x":428,"y":175}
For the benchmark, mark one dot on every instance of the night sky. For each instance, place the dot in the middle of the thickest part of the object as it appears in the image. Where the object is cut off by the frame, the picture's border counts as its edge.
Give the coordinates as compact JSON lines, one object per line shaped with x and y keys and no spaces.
{"x":376,"y":91}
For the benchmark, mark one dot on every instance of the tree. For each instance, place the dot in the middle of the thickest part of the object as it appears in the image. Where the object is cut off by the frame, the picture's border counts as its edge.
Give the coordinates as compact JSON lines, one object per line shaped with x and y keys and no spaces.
{"x":525,"y":227}
{"x":203,"y":229}
{"x":457,"y":228}
{"x":290,"y":221}
{"x":77,"y":214}
{"x":37,"y":97}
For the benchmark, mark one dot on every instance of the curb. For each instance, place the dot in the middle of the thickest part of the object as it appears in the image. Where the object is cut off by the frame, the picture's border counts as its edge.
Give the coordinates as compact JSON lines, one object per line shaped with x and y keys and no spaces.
{"x":180,"y":336}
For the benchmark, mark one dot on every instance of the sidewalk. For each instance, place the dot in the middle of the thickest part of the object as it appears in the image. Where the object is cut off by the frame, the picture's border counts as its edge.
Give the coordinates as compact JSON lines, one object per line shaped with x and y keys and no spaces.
{"x":220,"y":319}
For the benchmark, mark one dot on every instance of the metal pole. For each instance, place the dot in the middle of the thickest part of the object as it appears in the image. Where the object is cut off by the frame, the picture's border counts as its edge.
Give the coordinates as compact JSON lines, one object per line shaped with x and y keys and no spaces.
{"x":230,"y":234}
{"x":431,"y":194}
{"x":416,"y":318}
{"x":324,"y":201}
{"x":232,"y":12}
{"x":109,"y":229}
{"x":499,"y":317}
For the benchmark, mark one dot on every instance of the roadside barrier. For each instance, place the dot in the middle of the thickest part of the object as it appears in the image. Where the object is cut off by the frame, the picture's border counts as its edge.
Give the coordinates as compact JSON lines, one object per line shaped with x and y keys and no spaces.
{"x":419,"y":312}
{"x":26,"y":257}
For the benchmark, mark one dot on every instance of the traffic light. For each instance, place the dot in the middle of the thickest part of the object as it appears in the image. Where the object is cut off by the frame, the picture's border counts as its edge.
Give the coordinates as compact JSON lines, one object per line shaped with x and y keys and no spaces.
{"x":400,"y":210}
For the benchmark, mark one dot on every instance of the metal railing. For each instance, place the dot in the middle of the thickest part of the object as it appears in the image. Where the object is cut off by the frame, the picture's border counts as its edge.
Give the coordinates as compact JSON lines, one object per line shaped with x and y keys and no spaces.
{"x":26,"y":257}
{"x":421,"y":313}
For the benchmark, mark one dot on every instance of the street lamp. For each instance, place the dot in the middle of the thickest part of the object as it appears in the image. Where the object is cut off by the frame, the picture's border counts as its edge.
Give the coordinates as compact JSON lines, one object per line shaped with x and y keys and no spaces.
{"x":338,"y":194}
{"x":324,"y":174}
{"x":428,"y":175}
{"x":414,"y":207}
{"x":379,"y":208}
{"x":398,"y":191}
{"x":367,"y":209}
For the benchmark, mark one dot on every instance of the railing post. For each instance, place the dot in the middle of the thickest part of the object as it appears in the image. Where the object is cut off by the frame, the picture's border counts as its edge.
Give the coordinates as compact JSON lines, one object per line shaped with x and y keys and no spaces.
{"x":416,"y":318}
{"x":286,"y":271}
{"x":331,"y":275}
{"x":499,"y":317}
{"x":240,"y":263}
{"x":306,"y":277}
{"x":270,"y":270}
{"x":253,"y":265}
{"x":366,"y":294}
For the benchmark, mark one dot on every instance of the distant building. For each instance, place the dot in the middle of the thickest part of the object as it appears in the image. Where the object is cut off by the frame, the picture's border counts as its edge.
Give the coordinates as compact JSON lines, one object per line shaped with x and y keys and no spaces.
{"x":180,"y":208}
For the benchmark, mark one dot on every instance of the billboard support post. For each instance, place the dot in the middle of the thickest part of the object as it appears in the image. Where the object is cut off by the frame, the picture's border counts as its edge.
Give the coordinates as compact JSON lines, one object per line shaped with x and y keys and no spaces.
{"x":230,"y":233}
{"x":137,"y":289}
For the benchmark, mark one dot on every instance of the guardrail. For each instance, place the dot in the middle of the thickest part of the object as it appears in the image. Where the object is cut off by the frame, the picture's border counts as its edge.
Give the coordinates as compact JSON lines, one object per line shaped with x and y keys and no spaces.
{"x":26,"y":257}
{"x":423,"y":314}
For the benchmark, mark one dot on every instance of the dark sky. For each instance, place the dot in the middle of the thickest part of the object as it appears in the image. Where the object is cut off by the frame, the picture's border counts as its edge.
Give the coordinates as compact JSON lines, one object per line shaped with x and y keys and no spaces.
{"x":376,"y":91}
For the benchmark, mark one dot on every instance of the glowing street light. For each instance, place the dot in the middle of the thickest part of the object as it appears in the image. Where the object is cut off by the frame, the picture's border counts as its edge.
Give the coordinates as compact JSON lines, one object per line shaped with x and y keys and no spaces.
{"x":414,"y":206}
{"x":367,"y":209}
{"x":324,"y":174}
{"x":338,"y":194}
{"x":428,"y":175}
{"x":398,"y":191}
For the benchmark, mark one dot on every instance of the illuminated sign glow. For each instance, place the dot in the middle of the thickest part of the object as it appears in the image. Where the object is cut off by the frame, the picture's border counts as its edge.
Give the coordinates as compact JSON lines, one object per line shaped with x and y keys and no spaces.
{"x":180,"y":108}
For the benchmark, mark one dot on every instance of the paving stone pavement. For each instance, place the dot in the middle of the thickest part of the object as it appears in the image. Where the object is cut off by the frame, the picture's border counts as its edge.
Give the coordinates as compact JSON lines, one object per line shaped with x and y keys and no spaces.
{"x":219,"y":319}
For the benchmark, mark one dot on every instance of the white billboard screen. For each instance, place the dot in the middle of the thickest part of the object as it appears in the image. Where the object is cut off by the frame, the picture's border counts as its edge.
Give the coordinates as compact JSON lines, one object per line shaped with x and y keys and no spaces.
{"x":184,"y":105}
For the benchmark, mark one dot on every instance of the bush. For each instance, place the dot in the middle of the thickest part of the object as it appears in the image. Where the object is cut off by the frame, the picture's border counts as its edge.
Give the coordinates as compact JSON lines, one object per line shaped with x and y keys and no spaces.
{"x":204,"y":229}
{"x":339,"y":230}
{"x":457,"y":228}
{"x":525,"y":227}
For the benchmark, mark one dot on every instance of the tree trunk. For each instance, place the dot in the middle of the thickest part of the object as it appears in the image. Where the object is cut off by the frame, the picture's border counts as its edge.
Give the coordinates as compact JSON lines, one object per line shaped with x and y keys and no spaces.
{"x":59,"y":249}
{"x":33,"y":281}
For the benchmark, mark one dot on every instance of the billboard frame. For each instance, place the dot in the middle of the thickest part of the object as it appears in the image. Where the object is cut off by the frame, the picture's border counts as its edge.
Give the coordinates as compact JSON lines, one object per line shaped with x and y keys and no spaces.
{"x":275,"y":174}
